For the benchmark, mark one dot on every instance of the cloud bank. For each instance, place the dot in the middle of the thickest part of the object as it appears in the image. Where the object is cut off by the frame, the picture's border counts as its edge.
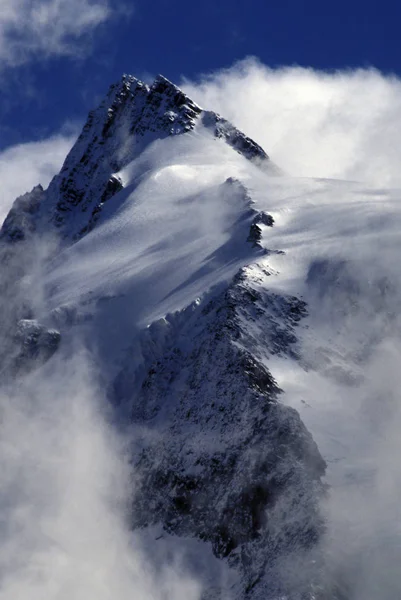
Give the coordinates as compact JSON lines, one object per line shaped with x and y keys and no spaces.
{"x":64,"y":501}
{"x":45,"y":28}
{"x":342,"y":125}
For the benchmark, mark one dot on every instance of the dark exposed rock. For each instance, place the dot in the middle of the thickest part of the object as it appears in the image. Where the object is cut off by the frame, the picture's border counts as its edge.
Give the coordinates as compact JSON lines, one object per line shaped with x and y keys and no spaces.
{"x":219,"y":457}
{"x":235,"y":138}
{"x":255,"y":232}
{"x":20,"y":221}
{"x":37,"y":344}
{"x":30,"y":346}
{"x":113,"y":186}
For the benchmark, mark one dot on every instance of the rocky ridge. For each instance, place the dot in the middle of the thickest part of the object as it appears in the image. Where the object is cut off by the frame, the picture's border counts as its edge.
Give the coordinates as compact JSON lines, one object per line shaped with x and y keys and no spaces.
{"x":219,"y":456}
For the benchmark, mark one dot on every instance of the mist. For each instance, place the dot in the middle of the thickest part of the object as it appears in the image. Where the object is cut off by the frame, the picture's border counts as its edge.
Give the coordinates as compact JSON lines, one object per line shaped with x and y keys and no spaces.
{"x":347,"y":387}
{"x":341,"y":125}
{"x":24,"y":166}
{"x":354,"y":399}
{"x":65,"y":489}
{"x":66,"y":481}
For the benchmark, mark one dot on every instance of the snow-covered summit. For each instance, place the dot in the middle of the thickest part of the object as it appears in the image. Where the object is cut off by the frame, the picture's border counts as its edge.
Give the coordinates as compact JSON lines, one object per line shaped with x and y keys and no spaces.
{"x":131,"y":116}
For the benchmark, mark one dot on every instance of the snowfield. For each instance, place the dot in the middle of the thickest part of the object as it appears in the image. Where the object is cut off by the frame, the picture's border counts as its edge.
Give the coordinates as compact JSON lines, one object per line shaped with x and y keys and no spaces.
{"x":176,"y":230}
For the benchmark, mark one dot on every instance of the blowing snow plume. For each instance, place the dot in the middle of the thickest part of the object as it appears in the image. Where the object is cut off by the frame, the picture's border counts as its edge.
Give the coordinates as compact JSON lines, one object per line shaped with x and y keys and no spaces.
{"x":356,"y":402}
{"x":342,"y":125}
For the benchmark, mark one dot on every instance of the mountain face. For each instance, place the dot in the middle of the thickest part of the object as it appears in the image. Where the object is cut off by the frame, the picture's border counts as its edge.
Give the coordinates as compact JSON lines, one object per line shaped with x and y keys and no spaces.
{"x":225,"y":455}
{"x":151,"y":247}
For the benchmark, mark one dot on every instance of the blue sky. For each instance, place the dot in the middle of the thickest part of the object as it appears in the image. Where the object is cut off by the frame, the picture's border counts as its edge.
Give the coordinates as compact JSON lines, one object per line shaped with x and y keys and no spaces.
{"x":47,"y":85}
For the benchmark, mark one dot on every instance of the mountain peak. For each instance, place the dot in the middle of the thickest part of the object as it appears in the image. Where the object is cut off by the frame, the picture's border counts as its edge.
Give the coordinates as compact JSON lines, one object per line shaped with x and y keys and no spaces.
{"x":131,"y":116}
{"x":162,"y":83}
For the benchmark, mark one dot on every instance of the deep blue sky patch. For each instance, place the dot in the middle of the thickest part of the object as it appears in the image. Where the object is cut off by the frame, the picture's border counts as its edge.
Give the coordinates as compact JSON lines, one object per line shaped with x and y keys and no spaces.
{"x":186,"y":39}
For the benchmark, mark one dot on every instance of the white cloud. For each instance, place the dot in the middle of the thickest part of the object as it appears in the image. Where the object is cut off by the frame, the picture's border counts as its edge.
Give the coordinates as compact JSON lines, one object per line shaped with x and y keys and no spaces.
{"x":46,"y":28}
{"x":64,"y":501}
{"x":343,"y":125}
{"x":26,"y":165}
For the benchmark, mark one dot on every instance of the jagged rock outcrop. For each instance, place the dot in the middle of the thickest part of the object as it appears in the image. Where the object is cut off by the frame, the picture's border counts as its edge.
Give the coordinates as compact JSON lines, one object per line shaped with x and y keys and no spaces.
{"x":26,"y":345}
{"x":20,"y":222}
{"x":255,"y":233}
{"x":36,"y":343}
{"x":220,"y":458}
{"x":236,"y":139}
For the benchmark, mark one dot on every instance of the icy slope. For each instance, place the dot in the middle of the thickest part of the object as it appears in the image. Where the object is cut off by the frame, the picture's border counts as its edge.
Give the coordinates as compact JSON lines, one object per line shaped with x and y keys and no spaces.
{"x":178,"y":228}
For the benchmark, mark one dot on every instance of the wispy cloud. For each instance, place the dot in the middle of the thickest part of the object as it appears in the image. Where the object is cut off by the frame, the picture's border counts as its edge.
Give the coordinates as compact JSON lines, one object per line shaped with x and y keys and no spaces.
{"x":343,"y":124}
{"x":46,"y":28}
{"x":25,"y":165}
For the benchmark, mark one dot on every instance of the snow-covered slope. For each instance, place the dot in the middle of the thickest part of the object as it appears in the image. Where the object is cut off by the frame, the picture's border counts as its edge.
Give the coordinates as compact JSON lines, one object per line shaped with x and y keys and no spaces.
{"x":203,"y":286}
{"x":131,"y":117}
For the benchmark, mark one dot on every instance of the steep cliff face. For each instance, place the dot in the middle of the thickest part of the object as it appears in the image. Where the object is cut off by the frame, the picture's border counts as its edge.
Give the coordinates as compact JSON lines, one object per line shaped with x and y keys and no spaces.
{"x":20,"y":222}
{"x":25,"y":343}
{"x":160,"y":251}
{"x":219,"y":457}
